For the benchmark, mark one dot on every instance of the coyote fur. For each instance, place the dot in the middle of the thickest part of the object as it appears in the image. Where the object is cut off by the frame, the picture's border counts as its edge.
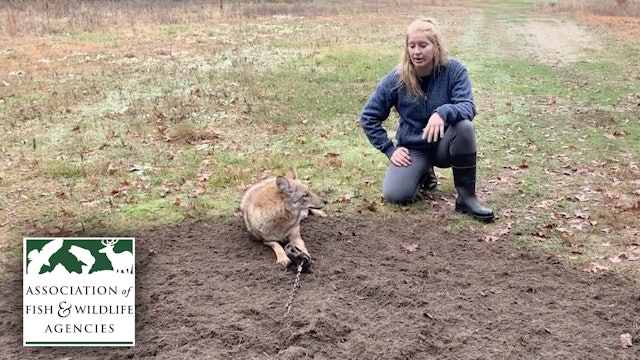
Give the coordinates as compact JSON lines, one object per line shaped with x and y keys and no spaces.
{"x":273,"y":208}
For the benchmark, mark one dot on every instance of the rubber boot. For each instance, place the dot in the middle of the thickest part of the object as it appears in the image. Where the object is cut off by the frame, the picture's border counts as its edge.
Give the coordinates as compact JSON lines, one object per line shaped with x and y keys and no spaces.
{"x":464,"y":179}
{"x":429,"y":180}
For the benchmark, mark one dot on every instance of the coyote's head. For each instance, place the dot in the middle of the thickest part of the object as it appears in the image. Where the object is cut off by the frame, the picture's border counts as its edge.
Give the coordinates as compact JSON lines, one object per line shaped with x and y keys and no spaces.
{"x":297,"y":195}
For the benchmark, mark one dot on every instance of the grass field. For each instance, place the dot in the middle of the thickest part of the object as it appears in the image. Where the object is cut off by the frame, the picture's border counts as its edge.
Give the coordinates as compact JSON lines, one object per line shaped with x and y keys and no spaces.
{"x":134,"y":117}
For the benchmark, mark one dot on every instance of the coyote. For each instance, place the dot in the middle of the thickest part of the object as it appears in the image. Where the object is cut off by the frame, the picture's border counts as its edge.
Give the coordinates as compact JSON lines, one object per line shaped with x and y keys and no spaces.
{"x":272,"y":211}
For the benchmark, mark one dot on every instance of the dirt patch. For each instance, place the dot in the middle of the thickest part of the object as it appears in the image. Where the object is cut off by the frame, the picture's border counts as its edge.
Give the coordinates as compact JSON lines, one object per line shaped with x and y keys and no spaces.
{"x":554,"y":42}
{"x":382,"y":289}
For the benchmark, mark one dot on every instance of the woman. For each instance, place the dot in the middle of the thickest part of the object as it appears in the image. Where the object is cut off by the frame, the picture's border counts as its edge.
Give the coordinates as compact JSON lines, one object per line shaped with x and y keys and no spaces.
{"x":432,"y":95}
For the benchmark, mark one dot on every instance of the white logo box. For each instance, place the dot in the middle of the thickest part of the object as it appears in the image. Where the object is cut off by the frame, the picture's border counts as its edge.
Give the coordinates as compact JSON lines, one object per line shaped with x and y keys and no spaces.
{"x":78,"y":292}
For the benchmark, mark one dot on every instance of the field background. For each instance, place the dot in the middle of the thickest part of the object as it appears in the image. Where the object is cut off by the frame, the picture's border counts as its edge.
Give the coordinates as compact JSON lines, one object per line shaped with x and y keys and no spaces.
{"x":133,"y":117}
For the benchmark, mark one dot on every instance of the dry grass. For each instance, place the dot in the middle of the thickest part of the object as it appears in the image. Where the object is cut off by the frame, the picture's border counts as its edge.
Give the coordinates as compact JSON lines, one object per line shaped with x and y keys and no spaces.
{"x":598,"y":7}
{"x":47,"y":17}
{"x":12,"y":23}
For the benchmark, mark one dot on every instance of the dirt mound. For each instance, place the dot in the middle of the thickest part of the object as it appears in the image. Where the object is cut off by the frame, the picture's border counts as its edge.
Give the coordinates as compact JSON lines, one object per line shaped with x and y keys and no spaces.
{"x":381,"y":289}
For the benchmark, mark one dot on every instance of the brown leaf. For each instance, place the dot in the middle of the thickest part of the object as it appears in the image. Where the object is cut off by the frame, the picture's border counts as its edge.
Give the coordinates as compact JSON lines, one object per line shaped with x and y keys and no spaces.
{"x":565,"y":231}
{"x":30,"y":228}
{"x":89,"y":202}
{"x":581,"y":215}
{"x":198,"y":190}
{"x":344,"y":198}
{"x":371,"y":206}
{"x":626,"y":340}
{"x":634,"y":207}
{"x":490,"y":238}
{"x":630,"y":256}
{"x":119,"y":191}
{"x":594,"y":268}
{"x":615,"y":259}
{"x":410,"y":247}
{"x":112,"y":168}
{"x":579,"y":198}
{"x":506,"y":230}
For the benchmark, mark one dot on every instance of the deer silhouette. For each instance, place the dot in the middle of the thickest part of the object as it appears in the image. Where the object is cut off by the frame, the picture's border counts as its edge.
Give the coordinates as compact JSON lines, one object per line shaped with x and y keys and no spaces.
{"x":122,"y":261}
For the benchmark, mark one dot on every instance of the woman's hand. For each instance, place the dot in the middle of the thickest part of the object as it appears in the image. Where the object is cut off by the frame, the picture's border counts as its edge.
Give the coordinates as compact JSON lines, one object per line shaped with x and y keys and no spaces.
{"x":434,"y":130}
{"x":401,"y":157}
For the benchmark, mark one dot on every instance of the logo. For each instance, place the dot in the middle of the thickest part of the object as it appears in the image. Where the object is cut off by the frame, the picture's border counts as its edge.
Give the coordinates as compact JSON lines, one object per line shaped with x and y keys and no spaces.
{"x":78,"y":292}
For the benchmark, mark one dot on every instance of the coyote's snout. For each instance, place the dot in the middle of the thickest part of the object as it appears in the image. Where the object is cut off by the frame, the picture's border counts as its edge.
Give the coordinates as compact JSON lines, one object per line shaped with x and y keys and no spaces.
{"x":272,"y":210}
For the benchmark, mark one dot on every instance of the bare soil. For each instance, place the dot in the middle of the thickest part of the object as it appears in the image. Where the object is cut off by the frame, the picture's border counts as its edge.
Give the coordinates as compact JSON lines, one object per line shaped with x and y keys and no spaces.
{"x":554,"y":42}
{"x":399,"y":288}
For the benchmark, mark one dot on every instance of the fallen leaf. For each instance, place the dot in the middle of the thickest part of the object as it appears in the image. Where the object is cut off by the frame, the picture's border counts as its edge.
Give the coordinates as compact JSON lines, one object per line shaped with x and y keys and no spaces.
{"x":625,"y":340}
{"x":410,"y":247}
{"x":506,"y":230}
{"x":242,"y":187}
{"x":344,"y":198}
{"x":630,"y":256}
{"x":371,"y":206}
{"x":581,"y":215}
{"x":112,"y":168}
{"x":594,"y":268}
{"x":89,"y":202}
{"x":198,"y":190}
{"x":30,"y":228}
{"x":490,"y":238}
{"x":579,"y":198}
{"x":615,"y":259}
{"x":634,"y":207}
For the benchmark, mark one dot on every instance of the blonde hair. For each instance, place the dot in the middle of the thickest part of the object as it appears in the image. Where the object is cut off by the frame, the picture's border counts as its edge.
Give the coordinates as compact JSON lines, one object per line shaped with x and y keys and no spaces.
{"x":408,"y":76}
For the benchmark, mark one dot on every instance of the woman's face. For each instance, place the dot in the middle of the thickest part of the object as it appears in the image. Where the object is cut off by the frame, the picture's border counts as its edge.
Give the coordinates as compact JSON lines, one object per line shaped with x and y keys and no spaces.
{"x":420,"y":51}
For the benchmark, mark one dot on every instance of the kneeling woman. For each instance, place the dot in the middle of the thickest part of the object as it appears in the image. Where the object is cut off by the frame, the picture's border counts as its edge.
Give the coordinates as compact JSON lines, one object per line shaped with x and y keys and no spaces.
{"x":432,"y":95}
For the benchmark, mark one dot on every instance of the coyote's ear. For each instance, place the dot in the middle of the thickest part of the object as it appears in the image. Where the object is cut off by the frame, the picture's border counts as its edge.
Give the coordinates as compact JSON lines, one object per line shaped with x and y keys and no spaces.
{"x":283,"y":184}
{"x":291,"y":174}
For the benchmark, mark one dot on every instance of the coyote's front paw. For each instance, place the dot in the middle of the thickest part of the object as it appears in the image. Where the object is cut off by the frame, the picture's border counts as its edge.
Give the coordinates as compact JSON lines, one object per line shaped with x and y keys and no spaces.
{"x":285,"y":261}
{"x":318,"y":212}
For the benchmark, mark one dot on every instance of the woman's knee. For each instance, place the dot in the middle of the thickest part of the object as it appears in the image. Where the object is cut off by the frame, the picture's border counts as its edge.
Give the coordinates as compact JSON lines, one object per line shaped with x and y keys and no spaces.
{"x":397,"y":195}
{"x":465,"y":127}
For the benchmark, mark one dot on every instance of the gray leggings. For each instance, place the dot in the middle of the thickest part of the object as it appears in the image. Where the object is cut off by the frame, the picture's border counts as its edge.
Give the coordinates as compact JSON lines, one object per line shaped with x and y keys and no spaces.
{"x":402,"y":183}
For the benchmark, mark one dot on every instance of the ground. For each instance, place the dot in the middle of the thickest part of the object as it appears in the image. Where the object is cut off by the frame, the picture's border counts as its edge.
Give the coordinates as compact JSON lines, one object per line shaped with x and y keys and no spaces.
{"x":396,"y":288}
